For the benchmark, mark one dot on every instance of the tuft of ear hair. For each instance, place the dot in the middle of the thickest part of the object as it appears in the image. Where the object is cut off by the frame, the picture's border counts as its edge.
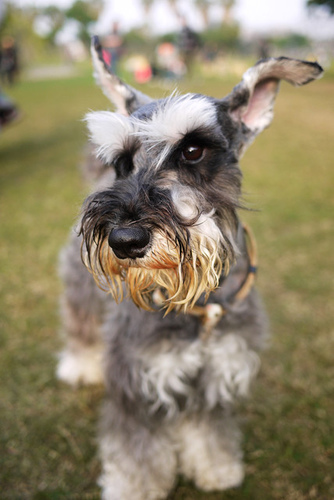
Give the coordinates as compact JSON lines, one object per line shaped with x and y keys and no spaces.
{"x":125,"y":98}
{"x":251,"y":102}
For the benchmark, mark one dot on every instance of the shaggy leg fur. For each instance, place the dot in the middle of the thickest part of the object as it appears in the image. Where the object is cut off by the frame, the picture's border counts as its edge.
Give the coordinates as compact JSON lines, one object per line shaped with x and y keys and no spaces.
{"x":138,"y":463}
{"x":210,"y":452}
{"x":82,"y":310}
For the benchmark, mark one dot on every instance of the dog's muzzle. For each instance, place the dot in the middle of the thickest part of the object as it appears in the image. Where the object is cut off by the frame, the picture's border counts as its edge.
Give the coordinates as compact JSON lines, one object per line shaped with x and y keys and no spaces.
{"x":129,"y":242}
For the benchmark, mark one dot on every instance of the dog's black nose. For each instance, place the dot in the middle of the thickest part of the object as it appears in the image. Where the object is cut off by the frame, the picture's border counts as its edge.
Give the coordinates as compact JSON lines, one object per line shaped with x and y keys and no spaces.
{"x":129,"y":242}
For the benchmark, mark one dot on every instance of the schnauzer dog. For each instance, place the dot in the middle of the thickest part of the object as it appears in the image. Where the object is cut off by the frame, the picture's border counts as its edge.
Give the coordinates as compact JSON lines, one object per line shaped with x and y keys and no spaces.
{"x":177,"y":345}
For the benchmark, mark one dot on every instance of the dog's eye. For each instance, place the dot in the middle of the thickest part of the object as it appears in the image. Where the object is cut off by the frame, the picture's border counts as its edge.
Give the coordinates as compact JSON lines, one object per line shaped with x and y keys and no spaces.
{"x":192,"y":153}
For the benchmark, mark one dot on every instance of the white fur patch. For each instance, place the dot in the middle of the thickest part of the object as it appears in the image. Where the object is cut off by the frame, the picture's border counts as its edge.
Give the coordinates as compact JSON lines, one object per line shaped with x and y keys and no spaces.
{"x":232,"y":366}
{"x":117,"y":484}
{"x":178,"y":115}
{"x":140,"y":475}
{"x":83,"y":365}
{"x":109,"y":131}
{"x":229,"y":367}
{"x":212,"y":461}
{"x":187,"y":201}
{"x":168,"y":373}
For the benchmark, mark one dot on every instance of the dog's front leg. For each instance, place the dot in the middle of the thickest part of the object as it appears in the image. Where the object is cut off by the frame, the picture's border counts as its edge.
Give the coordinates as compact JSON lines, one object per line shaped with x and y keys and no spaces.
{"x":138,"y":459}
{"x":82,"y":308}
{"x":210,"y":453}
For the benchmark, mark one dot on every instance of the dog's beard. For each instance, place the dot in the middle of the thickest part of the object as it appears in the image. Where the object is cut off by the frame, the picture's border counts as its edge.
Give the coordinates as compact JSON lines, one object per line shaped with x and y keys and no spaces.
{"x":182,"y":276}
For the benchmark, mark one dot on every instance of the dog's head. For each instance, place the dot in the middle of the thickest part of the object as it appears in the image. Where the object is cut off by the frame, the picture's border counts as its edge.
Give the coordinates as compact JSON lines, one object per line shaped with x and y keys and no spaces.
{"x":168,"y":220}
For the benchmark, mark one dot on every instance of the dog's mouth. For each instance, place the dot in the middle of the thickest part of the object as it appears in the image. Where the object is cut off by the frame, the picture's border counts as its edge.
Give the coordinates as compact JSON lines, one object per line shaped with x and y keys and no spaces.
{"x":157,"y":265}
{"x":135,"y":246}
{"x":157,"y":253}
{"x":137,"y":259}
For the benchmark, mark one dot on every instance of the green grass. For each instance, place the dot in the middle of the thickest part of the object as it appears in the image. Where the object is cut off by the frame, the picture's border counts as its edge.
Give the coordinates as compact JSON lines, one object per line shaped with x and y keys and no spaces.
{"x":48,"y":448}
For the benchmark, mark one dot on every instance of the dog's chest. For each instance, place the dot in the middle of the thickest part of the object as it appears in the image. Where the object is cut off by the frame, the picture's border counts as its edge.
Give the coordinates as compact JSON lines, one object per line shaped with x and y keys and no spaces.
{"x":188,"y":374}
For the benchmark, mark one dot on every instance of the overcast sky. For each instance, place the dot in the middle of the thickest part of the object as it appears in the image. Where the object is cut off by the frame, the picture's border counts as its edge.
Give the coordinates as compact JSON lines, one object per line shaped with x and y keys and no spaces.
{"x":263,"y":16}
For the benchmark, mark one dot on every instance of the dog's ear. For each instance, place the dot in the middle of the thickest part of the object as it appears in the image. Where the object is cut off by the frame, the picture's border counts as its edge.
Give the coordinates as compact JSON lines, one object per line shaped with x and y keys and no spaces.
{"x":251,"y":102}
{"x":125,"y":98}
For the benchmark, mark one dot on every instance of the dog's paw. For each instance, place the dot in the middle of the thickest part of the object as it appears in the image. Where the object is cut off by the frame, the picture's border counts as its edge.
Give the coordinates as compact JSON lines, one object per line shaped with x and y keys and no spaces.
{"x":116,"y":485}
{"x":221,"y":477}
{"x":83,"y":366}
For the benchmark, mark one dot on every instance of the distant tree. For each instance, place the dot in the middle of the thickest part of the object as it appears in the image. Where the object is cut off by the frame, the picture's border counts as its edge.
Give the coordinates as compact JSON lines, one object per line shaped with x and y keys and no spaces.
{"x":228,"y":6}
{"x":147,"y":6}
{"x":224,"y":37}
{"x":173,"y":6}
{"x":56,"y":19}
{"x":7,"y":17}
{"x":19,"y":23}
{"x":291,"y":40}
{"x":325,"y":3}
{"x":204,"y":6}
{"x":85,"y":12}
{"x":2,"y":11}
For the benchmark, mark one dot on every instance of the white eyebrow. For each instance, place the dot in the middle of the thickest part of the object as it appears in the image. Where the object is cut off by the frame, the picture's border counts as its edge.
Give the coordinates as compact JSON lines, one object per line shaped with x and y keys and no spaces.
{"x":173,"y":119}
{"x":111,"y":132}
{"x":170,"y":122}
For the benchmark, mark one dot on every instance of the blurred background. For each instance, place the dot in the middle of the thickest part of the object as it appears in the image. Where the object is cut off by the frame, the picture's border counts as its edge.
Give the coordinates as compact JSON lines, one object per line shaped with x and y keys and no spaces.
{"x":47,"y":431}
{"x":165,"y":38}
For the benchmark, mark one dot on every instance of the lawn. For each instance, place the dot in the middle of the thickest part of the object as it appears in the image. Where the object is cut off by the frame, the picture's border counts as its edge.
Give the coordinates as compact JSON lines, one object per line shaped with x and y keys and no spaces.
{"x":47,"y":430}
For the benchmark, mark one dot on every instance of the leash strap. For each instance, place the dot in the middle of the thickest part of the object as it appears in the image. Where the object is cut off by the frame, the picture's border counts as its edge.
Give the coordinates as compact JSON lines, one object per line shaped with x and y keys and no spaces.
{"x":252,"y":268}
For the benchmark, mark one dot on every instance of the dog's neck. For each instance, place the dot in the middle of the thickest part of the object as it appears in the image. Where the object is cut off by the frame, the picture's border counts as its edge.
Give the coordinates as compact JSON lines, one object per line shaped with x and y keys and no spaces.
{"x":239,"y":281}
{"x":233,"y":288}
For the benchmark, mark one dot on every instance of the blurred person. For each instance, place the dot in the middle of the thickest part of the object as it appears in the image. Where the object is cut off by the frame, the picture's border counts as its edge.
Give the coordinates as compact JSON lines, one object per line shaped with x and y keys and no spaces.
{"x":170,"y":65}
{"x":142,"y":70}
{"x":140,"y":67}
{"x":113,"y":47}
{"x":188,"y":44}
{"x":9,"y":66}
{"x":263,"y":49}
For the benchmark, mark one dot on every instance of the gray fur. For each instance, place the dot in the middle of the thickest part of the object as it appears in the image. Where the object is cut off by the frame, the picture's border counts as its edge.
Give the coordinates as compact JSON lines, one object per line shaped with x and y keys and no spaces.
{"x":170,"y":392}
